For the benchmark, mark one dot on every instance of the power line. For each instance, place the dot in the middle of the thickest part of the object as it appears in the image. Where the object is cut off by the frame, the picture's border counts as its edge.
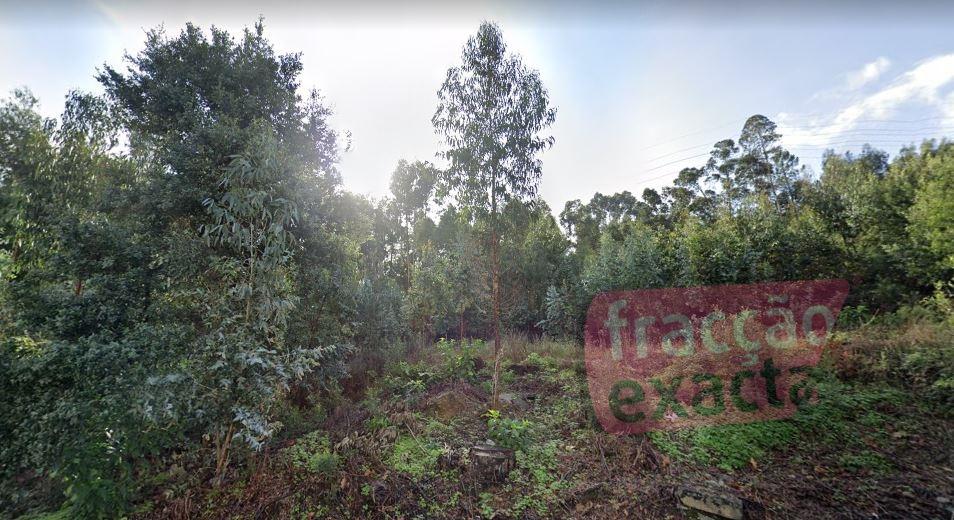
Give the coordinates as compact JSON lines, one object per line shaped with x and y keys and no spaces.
{"x":884,"y":130}
{"x":884,"y":134}
{"x":854,"y":142}
{"x":651,"y":179}
{"x":807,"y":126}
{"x":857,"y":133}
{"x":688,"y":134}
{"x":677,"y":161}
{"x":679,"y":151}
{"x":671,"y":174}
{"x":893,"y":121}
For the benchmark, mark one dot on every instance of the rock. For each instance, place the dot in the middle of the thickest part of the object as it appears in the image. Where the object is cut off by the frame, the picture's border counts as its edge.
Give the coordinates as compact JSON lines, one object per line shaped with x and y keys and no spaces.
{"x":513,"y":401}
{"x":450,"y":404}
{"x":706,"y":501}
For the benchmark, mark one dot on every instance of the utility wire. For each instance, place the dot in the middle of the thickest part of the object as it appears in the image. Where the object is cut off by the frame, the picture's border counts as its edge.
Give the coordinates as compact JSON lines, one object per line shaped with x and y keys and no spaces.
{"x":884,"y":134}
{"x":856,"y":134}
{"x":807,"y":126}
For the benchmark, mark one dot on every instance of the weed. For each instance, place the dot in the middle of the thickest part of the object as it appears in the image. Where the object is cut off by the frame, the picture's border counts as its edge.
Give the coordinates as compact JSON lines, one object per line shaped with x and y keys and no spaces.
{"x":509,"y":433}
{"x":537,"y":468}
{"x":436,"y":428}
{"x":733,"y":446}
{"x":507,"y":377}
{"x":414,"y":457}
{"x":486,"y":505}
{"x":296,"y":421}
{"x":409,"y":380}
{"x":458,"y":359}
{"x":313,"y":453}
{"x":835,"y":421}
{"x":378,"y":422}
{"x":865,"y":460}
{"x":65,"y":513}
{"x":544,"y":363}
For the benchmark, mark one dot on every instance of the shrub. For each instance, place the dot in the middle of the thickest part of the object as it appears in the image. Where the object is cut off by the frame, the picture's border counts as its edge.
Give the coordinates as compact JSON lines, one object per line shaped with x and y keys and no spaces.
{"x":74,"y":412}
{"x":917,"y":357}
{"x":313,"y":453}
{"x":866,"y":460}
{"x":407,"y":379}
{"x":835,"y":420}
{"x":512,"y":434}
{"x":458,"y":359}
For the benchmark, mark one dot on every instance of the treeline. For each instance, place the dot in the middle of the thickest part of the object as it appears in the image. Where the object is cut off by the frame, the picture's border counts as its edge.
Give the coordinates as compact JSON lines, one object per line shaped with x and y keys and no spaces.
{"x":179,"y":253}
{"x":751,"y":213}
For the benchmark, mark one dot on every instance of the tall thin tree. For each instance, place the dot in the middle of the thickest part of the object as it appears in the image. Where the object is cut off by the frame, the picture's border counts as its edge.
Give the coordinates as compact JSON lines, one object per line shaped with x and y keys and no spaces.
{"x":491,"y":113}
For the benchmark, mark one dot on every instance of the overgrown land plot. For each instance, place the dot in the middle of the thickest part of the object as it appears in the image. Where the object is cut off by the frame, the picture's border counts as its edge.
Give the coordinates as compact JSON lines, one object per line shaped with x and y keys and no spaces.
{"x":197,"y":320}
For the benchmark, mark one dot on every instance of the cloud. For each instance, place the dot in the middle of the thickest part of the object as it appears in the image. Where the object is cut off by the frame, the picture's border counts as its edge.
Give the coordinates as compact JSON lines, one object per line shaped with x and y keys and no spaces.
{"x":947,"y":109}
{"x":853,"y":81}
{"x":926,"y":85}
{"x":870,"y":72}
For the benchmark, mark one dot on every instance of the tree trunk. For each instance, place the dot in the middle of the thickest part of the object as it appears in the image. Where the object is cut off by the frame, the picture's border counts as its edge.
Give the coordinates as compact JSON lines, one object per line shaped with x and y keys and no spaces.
{"x":495,"y":260}
{"x":222,"y":455}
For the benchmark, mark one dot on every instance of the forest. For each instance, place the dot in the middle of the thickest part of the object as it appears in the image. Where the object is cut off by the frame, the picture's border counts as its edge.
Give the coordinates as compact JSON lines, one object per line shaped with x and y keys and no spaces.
{"x":197,"y":320}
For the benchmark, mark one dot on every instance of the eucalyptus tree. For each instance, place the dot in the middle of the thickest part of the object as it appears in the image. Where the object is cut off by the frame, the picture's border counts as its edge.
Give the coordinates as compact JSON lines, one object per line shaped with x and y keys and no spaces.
{"x":491,"y":114}
{"x":581,"y":226}
{"x":247,"y":358}
{"x":721,"y":170}
{"x":412,"y":186}
{"x":697,"y":198}
{"x":758,"y":142}
{"x":457,"y":239}
{"x":244,"y":157}
{"x":765,"y":167}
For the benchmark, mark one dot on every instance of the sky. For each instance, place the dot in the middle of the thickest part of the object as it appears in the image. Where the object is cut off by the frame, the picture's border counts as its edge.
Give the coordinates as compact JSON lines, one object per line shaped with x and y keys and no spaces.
{"x":642,"y":89}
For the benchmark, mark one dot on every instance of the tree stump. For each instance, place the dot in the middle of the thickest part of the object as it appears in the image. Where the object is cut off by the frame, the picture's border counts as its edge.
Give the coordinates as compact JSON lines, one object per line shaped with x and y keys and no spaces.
{"x":492,"y":462}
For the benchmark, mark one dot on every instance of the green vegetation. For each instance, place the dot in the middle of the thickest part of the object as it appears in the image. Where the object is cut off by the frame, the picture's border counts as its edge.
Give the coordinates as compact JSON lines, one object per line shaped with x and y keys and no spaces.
{"x":198,"y":321}
{"x":313,"y":453}
{"x":414,"y":457}
{"x":508,"y":433}
{"x":728,"y":447}
{"x":537,"y":471}
{"x":849,"y":417}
